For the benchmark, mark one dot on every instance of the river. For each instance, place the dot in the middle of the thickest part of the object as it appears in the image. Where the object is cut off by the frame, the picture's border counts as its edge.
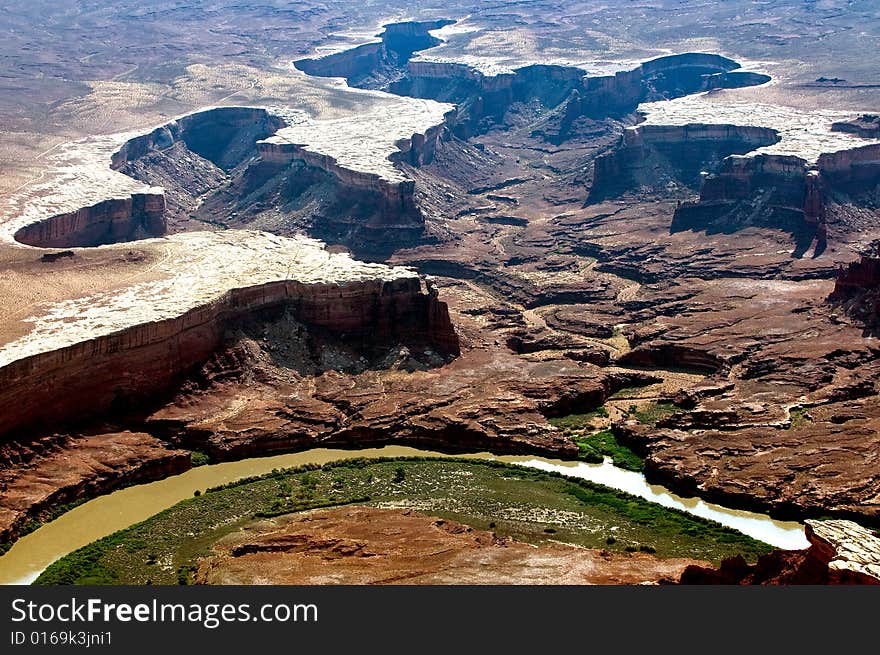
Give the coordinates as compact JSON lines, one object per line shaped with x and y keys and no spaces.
{"x":118,"y":510}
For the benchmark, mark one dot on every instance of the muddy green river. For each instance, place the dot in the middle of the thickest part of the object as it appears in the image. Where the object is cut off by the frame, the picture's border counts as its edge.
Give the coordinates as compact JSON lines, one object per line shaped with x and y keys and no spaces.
{"x":106,"y":514}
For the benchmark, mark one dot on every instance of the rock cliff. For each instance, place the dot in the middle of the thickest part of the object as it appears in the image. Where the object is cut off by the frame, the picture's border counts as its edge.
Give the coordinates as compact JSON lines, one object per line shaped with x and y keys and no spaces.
{"x":866,"y":125}
{"x":653,"y":156}
{"x":857,"y":289}
{"x":775,"y":191}
{"x":69,"y":469}
{"x":110,"y":352}
{"x":375,"y":65}
{"x":139,"y":216}
{"x":660,"y":79}
{"x":484,"y":99}
{"x":783,"y":192}
{"x":222,"y":135}
{"x":840,"y":552}
{"x":854,"y":172}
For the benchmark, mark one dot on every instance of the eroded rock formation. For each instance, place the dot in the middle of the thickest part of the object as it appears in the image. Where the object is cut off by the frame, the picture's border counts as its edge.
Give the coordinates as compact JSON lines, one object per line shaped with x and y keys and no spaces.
{"x":657,"y":156}
{"x":783,"y":192}
{"x":857,"y":289}
{"x":484,"y":99}
{"x":221,"y":137}
{"x":140,"y":349}
{"x":840,"y":552}
{"x":37,"y":478}
{"x":377,"y":64}
{"x":139,"y":216}
{"x":765,"y":190}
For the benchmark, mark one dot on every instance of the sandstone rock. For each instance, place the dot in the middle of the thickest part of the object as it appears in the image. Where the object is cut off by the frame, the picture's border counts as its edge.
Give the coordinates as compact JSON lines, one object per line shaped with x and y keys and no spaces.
{"x":135,"y":350}
{"x":852,"y":552}
{"x":866,"y":125}
{"x":60,"y":470}
{"x":857,"y":290}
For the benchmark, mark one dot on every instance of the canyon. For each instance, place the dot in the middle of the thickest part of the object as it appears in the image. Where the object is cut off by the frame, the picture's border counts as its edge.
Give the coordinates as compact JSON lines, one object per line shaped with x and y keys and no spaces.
{"x":467,"y":235}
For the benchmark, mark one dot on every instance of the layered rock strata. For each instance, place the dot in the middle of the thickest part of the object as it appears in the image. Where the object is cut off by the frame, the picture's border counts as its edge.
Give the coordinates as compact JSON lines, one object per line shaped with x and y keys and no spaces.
{"x":36,"y":482}
{"x":483,"y":97}
{"x":223,"y":135}
{"x":776,"y":191}
{"x":376,"y":64}
{"x":137,"y":342}
{"x":656,"y":155}
{"x":857,"y":289}
{"x":139,"y":216}
{"x":61,"y":214}
{"x":782,"y":192}
{"x":110,"y":189}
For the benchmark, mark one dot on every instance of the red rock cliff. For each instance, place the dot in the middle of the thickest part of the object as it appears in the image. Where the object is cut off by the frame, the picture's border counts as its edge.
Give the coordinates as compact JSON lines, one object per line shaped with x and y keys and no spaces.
{"x":146,"y":359}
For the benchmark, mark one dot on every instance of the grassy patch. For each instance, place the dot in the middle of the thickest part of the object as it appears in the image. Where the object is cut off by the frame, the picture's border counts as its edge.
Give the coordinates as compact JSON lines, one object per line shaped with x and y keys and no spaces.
{"x":595,"y":447}
{"x":578,"y":421}
{"x":799,"y":419}
{"x":625,"y":392}
{"x":526,"y":504}
{"x":651,"y":412}
{"x":199,"y":458}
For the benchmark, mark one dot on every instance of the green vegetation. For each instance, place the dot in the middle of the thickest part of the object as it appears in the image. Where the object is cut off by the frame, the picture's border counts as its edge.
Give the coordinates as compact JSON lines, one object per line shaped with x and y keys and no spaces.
{"x":199,"y":458}
{"x":799,"y":419}
{"x":526,"y":504}
{"x":595,"y":447}
{"x":650,"y":413}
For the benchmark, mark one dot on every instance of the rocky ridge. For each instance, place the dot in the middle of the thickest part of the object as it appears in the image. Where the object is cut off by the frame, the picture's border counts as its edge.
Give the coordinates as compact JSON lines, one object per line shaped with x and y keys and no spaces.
{"x":840,"y":552}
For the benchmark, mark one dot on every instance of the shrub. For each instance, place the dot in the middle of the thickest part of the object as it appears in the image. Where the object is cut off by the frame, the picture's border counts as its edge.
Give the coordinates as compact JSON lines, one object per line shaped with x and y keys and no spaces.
{"x":198,"y":458}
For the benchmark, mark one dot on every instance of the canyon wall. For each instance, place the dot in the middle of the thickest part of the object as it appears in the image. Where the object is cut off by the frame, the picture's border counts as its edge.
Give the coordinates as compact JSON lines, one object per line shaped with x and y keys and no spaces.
{"x":662,"y":78}
{"x":139,"y":216}
{"x":857,"y":290}
{"x":394,"y":199}
{"x":647,"y":153}
{"x":775,"y":191}
{"x":112,"y":370}
{"x":368,"y":211}
{"x":419,"y":149}
{"x":375,"y":65}
{"x":482,"y":96}
{"x":223,"y":135}
{"x":781,"y":191}
{"x":854,"y":172}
